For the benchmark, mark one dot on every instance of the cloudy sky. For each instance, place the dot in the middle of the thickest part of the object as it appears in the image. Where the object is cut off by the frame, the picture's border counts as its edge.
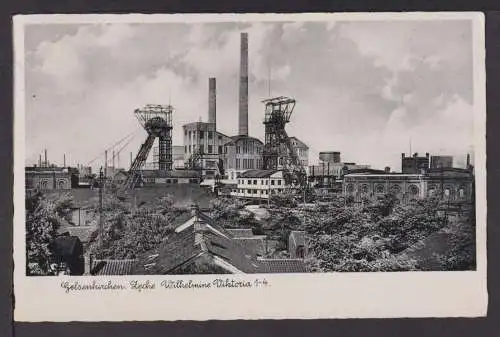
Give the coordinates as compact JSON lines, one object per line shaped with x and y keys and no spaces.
{"x":362,"y":88}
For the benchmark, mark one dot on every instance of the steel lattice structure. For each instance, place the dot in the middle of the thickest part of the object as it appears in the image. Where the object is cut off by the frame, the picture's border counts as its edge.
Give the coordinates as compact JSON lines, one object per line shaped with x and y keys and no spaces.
{"x":157,"y":121}
{"x":278,"y":150}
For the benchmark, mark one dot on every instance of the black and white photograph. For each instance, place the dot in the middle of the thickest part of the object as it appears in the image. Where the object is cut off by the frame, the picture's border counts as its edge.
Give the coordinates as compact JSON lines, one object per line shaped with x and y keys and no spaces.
{"x":221,"y":148}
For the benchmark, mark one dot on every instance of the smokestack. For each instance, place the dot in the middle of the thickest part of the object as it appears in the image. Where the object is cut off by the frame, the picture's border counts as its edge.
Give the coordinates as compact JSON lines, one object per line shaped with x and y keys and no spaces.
{"x":243,"y":107}
{"x":46,"y":162}
{"x":40,"y":161}
{"x":212,"y":101}
{"x":468,"y":160}
{"x":106,"y":164}
{"x":64,"y":160}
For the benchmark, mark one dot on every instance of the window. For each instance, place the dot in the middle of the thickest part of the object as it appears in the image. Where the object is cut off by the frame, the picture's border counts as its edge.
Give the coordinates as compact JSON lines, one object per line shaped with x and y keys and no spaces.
{"x":210,"y":149}
{"x":201,"y":134}
{"x":238,"y":150}
{"x":202,"y":148}
{"x":249,"y":191}
{"x":220,"y":149}
{"x":379,"y":189}
{"x":220,"y":137}
{"x":249,"y":182}
{"x":210,"y":134}
{"x":185,"y":149}
{"x":255,"y":182}
{"x":272,"y":182}
{"x":279,"y":181}
{"x":185,"y":133}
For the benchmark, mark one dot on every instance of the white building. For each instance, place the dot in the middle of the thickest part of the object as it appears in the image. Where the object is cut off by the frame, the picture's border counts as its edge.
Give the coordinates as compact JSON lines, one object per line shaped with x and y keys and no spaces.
{"x":259,"y":184}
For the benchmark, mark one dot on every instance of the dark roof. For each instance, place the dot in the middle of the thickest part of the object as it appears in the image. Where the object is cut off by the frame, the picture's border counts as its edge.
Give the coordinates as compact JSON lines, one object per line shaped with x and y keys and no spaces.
{"x":177,"y":249}
{"x":68,"y":246}
{"x":112,"y":267}
{"x":257,"y":173}
{"x":241,"y":232}
{"x":232,"y":252}
{"x":170,"y":174}
{"x":282,"y":265}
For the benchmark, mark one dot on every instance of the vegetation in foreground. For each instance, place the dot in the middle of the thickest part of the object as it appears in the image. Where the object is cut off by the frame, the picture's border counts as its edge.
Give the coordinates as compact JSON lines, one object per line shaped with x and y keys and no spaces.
{"x":379,"y":236}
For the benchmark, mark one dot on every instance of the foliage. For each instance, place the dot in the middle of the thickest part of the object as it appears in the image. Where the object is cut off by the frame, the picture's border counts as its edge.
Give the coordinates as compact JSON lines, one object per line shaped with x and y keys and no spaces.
{"x":285,"y":200}
{"x":128,"y":233}
{"x":461,"y":254}
{"x":42,"y":223}
{"x":369,"y":238}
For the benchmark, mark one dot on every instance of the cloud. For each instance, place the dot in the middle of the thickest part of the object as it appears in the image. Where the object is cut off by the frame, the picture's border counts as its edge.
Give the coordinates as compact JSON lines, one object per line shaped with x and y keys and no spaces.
{"x":361,"y":87}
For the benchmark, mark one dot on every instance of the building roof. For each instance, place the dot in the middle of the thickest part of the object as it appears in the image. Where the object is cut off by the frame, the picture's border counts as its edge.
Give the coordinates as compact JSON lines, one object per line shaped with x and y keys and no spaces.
{"x":112,"y":267}
{"x":282,"y":265}
{"x":298,"y":237}
{"x":299,"y":142}
{"x":241,"y":232}
{"x":257,"y":173}
{"x":241,"y":137}
{"x":177,"y":249}
{"x":170,"y":174}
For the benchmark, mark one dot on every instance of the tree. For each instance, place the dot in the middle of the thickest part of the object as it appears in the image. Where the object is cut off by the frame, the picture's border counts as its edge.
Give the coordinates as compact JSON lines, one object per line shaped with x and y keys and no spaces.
{"x":42,"y":223}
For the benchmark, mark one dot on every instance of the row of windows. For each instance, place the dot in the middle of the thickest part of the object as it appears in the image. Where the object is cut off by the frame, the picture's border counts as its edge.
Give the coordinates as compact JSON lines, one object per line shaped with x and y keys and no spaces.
{"x":201,"y":149}
{"x":249,"y":148}
{"x":264,"y":192}
{"x":262,"y":182}
{"x":201,"y":134}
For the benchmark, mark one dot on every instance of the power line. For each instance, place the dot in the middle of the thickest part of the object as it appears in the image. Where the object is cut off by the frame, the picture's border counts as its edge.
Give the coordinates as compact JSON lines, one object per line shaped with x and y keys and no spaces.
{"x":112,"y":146}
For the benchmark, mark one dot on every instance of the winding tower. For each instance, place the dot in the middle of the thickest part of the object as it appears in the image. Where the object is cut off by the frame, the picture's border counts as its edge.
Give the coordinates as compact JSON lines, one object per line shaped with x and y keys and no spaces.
{"x":278,"y":151}
{"x":157,"y":121}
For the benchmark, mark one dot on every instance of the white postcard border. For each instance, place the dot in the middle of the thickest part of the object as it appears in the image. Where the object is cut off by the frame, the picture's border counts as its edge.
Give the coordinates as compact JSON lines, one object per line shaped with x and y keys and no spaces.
{"x":302,"y":296}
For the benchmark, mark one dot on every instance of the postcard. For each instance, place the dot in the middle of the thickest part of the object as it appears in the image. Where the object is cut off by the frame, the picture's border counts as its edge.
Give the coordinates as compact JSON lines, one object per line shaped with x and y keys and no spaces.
{"x":249,"y":166}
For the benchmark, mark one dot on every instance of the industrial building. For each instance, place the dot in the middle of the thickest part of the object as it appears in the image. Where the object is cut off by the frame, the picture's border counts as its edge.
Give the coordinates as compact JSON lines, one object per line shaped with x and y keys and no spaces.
{"x":441,"y":162}
{"x":259,"y":184}
{"x":453,"y":184}
{"x":330,"y":170}
{"x":47,"y":178}
{"x":413,"y":164}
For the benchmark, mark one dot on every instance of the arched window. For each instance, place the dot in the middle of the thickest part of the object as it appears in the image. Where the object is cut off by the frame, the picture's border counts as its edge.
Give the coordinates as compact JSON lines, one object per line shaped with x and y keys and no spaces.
{"x":395,"y":189}
{"x":61,"y":184}
{"x":461,"y":192}
{"x":350,"y":188}
{"x":365,"y":188}
{"x":380,"y":189}
{"x":413,"y":190}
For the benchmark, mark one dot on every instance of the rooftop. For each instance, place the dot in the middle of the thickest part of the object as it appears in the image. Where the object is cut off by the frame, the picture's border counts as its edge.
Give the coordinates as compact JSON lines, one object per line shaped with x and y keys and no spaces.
{"x":257,"y":173}
{"x":112,"y":267}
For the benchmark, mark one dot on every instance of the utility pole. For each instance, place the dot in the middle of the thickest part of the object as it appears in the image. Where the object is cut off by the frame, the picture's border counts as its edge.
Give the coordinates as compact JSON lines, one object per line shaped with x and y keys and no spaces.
{"x":101,"y":204}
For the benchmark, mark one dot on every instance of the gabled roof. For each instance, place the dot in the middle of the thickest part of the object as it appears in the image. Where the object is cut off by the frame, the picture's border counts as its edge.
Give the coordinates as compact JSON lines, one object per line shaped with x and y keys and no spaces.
{"x":177,"y":249}
{"x":257,"y":173}
{"x":112,"y":267}
{"x":298,"y":237}
{"x":282,"y":265}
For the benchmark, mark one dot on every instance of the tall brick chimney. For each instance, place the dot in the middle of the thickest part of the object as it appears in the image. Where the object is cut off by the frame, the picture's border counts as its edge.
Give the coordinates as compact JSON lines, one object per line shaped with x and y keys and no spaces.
{"x":212,"y":100}
{"x":243,"y":104}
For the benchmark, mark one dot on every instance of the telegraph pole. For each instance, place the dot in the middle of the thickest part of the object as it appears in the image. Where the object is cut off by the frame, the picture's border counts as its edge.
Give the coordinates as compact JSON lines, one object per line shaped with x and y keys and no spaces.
{"x":101,"y":204}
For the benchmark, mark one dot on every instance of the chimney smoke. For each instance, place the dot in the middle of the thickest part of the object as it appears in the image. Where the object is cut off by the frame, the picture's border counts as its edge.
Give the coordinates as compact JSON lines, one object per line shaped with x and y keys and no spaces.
{"x":212,"y":101}
{"x":243,"y":104}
